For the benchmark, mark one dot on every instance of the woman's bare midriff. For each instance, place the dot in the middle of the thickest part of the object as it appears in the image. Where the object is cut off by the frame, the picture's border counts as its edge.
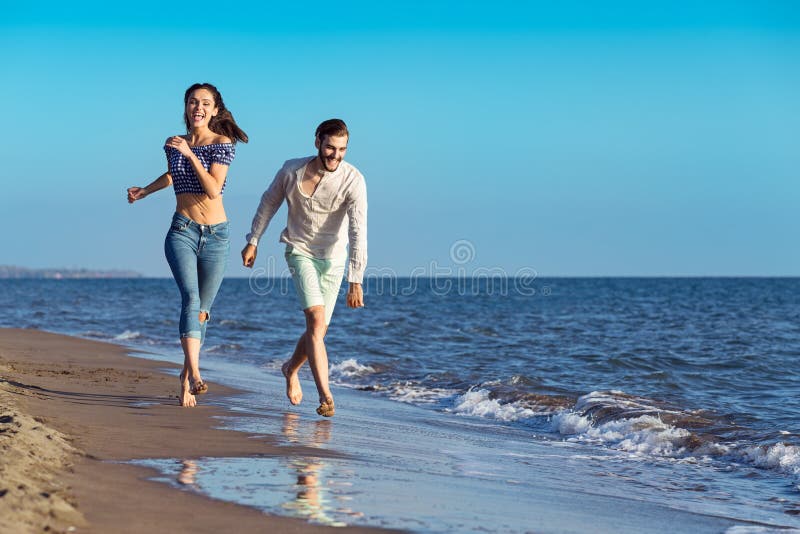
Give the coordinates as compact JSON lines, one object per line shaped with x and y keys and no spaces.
{"x":201,"y":209}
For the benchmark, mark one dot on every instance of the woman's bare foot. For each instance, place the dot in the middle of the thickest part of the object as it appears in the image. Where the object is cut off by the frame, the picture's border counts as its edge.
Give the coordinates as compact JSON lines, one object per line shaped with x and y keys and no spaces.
{"x":293,"y":390}
{"x":186,"y":398}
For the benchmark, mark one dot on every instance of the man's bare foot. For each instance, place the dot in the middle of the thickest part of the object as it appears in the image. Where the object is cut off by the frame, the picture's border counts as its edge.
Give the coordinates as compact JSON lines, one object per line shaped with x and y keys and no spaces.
{"x":326,"y":407}
{"x":186,"y":398}
{"x":293,"y":390}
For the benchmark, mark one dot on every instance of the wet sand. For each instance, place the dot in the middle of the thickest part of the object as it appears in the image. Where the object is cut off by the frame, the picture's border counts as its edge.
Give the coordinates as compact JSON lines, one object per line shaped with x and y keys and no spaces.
{"x":74,"y":411}
{"x":71,"y":410}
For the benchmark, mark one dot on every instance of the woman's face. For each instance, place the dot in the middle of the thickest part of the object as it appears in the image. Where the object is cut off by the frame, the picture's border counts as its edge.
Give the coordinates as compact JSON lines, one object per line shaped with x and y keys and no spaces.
{"x":200,"y":108}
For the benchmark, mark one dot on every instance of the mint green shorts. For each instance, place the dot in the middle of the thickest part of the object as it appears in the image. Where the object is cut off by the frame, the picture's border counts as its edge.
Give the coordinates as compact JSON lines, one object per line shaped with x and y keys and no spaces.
{"x":317,"y":282}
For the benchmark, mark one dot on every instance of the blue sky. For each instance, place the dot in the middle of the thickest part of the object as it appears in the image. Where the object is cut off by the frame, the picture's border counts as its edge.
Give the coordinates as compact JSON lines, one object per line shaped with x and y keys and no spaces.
{"x":573,"y":138}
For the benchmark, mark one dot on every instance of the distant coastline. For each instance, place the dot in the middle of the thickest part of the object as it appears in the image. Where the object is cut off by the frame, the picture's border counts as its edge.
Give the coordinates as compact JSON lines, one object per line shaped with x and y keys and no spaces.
{"x":12,"y":271}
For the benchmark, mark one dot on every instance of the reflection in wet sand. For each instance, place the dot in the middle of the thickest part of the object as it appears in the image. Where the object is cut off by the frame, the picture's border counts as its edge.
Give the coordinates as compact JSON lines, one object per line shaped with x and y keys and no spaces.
{"x":320,"y":435}
{"x":187,"y":475}
{"x":312,"y":500}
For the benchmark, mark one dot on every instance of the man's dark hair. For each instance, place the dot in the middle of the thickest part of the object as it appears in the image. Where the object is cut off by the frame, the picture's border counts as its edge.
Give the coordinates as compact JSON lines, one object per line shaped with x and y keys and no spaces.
{"x":330,"y":127}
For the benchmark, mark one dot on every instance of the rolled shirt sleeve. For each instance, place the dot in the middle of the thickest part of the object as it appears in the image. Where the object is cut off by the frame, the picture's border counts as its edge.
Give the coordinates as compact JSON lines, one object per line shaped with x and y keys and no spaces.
{"x":271,"y":201}
{"x":357,"y":231}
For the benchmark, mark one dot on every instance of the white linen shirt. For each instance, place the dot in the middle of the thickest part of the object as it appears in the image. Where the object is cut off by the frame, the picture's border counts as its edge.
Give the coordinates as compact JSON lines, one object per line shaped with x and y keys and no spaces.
{"x":316,"y":223}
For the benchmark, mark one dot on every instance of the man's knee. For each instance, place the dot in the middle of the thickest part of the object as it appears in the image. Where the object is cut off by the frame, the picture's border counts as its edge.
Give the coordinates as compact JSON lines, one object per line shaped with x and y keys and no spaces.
{"x":315,"y":321}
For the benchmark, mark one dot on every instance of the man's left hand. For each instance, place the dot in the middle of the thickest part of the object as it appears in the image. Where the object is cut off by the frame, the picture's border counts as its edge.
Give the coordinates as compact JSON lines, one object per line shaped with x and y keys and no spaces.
{"x":355,"y":296}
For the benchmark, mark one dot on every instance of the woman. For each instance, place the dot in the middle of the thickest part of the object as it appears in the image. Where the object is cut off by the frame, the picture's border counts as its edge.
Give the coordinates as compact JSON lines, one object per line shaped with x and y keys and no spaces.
{"x":197,"y":243}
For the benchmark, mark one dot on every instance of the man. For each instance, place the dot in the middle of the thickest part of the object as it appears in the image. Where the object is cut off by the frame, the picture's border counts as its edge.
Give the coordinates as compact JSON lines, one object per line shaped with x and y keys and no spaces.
{"x":322,"y":192}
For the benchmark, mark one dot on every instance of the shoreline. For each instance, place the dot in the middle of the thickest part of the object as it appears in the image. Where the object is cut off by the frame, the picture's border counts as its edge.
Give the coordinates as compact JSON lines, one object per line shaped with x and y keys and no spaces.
{"x":75,"y":410}
{"x":76,"y":414}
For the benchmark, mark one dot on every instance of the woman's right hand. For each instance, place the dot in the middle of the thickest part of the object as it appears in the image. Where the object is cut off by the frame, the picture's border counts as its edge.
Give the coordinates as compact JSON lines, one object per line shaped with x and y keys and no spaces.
{"x":136,"y":193}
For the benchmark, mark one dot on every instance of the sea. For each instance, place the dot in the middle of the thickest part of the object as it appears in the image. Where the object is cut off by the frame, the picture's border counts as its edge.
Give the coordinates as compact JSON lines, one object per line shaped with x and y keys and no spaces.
{"x":488,"y":405}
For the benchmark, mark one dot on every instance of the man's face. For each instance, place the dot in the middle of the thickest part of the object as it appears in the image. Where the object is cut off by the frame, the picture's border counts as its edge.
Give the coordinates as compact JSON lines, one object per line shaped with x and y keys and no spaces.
{"x":331,"y":151}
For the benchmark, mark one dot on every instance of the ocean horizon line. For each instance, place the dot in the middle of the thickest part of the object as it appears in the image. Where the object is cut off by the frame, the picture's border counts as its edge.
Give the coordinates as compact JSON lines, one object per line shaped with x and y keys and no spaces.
{"x":488,"y":276}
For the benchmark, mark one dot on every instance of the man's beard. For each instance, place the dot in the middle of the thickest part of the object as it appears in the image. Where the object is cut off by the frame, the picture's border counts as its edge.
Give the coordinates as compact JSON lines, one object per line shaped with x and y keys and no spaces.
{"x":324,"y":161}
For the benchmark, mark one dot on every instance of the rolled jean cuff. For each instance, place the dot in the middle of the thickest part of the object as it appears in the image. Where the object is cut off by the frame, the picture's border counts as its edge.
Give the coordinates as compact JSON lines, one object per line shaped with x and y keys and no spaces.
{"x":194,"y":334}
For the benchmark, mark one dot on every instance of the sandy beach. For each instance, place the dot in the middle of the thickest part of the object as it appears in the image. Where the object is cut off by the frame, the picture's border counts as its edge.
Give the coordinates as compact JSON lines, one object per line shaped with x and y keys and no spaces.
{"x":93,"y":440}
{"x":71,"y":408}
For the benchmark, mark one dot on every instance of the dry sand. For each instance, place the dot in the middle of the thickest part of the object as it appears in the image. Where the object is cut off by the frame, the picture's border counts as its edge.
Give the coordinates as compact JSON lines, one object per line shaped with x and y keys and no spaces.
{"x":70,"y":408}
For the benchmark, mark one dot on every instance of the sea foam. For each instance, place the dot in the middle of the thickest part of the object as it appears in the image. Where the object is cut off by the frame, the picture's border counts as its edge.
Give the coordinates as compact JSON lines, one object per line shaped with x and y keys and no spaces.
{"x":644,"y":435}
{"x":779,"y":456}
{"x":127,"y":334}
{"x":411,"y":393}
{"x":350,"y":368}
{"x":612,"y":419}
{"x":477,"y":402}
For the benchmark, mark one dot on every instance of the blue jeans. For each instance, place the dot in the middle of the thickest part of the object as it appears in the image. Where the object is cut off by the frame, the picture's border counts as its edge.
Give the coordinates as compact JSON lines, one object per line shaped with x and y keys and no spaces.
{"x":197,"y":255}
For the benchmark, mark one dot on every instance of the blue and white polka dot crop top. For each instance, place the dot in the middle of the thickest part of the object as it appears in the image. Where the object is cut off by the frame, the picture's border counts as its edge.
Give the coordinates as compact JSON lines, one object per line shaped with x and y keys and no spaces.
{"x":184,"y":179}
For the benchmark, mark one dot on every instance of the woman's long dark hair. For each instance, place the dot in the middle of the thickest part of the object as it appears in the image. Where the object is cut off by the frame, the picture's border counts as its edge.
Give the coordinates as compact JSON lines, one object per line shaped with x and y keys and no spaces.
{"x":223,"y":123}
